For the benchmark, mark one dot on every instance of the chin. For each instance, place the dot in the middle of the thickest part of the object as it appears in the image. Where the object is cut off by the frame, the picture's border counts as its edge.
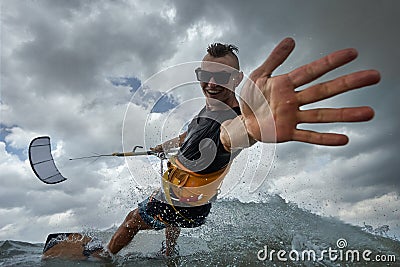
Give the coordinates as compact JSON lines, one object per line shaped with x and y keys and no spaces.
{"x":216,"y":102}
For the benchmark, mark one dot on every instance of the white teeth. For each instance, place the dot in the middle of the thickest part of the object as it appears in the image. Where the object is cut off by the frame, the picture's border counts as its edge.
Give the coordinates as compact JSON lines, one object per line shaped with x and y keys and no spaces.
{"x":213,"y":91}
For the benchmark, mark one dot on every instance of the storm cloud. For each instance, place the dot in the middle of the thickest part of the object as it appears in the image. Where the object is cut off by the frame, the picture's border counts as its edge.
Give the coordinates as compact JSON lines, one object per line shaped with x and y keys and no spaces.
{"x":59,"y":60}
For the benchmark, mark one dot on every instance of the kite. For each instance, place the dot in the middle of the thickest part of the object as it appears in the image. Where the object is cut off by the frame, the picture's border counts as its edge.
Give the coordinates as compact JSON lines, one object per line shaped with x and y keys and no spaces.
{"x":43,"y":165}
{"x":42,"y":162}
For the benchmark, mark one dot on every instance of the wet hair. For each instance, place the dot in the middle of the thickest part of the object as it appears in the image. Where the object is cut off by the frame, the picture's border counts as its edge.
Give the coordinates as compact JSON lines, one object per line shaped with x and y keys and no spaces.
{"x":220,"y":50}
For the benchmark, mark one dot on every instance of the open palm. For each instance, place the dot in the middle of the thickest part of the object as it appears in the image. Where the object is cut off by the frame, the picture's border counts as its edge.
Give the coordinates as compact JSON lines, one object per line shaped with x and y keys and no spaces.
{"x":271,"y":106}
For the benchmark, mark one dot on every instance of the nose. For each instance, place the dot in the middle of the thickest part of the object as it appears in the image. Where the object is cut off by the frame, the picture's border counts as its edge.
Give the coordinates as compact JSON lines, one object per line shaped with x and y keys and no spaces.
{"x":212,"y":82}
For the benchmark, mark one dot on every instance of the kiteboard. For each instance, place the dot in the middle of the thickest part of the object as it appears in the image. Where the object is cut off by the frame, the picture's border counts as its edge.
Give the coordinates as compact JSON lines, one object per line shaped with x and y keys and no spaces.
{"x":80,"y":247}
{"x":73,"y":246}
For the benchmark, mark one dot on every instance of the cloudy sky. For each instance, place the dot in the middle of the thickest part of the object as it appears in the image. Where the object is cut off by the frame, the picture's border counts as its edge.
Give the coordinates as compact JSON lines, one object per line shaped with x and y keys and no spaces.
{"x":72,"y":70}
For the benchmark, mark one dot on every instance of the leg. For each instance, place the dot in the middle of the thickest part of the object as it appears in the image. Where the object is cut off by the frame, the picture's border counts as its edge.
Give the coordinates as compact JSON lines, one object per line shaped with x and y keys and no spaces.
{"x":125,"y":233}
{"x":171,"y":235}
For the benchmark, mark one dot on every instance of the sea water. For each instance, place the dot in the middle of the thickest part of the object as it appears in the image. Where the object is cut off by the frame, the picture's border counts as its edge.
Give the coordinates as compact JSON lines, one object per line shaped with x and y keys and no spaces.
{"x":274,"y":233}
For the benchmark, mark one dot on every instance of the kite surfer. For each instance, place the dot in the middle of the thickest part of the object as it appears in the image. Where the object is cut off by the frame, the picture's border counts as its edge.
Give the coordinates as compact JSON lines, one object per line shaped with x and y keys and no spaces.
{"x":225,"y":126}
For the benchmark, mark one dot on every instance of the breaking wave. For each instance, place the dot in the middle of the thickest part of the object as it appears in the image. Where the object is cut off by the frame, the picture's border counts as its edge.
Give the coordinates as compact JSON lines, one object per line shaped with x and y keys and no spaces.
{"x":241,"y":234}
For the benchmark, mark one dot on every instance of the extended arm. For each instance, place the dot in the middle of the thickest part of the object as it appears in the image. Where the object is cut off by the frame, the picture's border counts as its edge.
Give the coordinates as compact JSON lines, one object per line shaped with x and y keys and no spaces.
{"x":170,"y":144}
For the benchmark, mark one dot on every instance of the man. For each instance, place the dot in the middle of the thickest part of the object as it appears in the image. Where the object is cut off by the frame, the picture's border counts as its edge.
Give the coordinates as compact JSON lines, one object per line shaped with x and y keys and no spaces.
{"x":269,"y":111}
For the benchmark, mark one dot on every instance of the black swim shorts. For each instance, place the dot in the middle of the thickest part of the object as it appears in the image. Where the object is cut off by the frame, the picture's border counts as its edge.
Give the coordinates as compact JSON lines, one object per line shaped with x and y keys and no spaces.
{"x":157,"y":214}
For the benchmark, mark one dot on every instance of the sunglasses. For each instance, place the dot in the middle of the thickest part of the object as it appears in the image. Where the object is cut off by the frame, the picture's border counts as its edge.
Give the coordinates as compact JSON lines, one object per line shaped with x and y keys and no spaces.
{"x":221,"y":77}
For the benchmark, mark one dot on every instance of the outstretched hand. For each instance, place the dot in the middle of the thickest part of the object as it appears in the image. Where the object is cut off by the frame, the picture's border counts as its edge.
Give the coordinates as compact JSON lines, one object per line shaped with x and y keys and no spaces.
{"x":274,"y":115}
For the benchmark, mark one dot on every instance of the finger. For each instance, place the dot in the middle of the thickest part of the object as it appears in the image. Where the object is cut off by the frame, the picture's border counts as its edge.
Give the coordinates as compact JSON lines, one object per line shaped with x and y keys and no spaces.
{"x":325,"y":139}
{"x":275,"y":59}
{"x":327,"y":115}
{"x":316,"y":69}
{"x":337,"y":86}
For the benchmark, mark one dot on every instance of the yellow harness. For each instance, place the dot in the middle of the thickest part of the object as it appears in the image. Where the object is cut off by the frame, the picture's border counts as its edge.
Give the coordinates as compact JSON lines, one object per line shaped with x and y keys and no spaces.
{"x":185,"y":186}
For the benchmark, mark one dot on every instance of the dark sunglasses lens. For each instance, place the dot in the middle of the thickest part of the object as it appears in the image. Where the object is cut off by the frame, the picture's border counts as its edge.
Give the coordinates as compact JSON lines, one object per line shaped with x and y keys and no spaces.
{"x":219,"y":77}
{"x":222,"y":77}
{"x":203,"y":76}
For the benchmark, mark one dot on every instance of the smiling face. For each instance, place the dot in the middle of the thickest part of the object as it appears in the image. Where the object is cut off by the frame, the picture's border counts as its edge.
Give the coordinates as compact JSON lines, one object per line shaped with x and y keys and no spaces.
{"x":217,"y":91}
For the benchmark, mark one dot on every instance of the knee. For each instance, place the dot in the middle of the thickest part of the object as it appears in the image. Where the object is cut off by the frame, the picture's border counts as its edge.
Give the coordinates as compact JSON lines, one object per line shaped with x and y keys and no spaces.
{"x":132,"y":219}
{"x":131,"y":215}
